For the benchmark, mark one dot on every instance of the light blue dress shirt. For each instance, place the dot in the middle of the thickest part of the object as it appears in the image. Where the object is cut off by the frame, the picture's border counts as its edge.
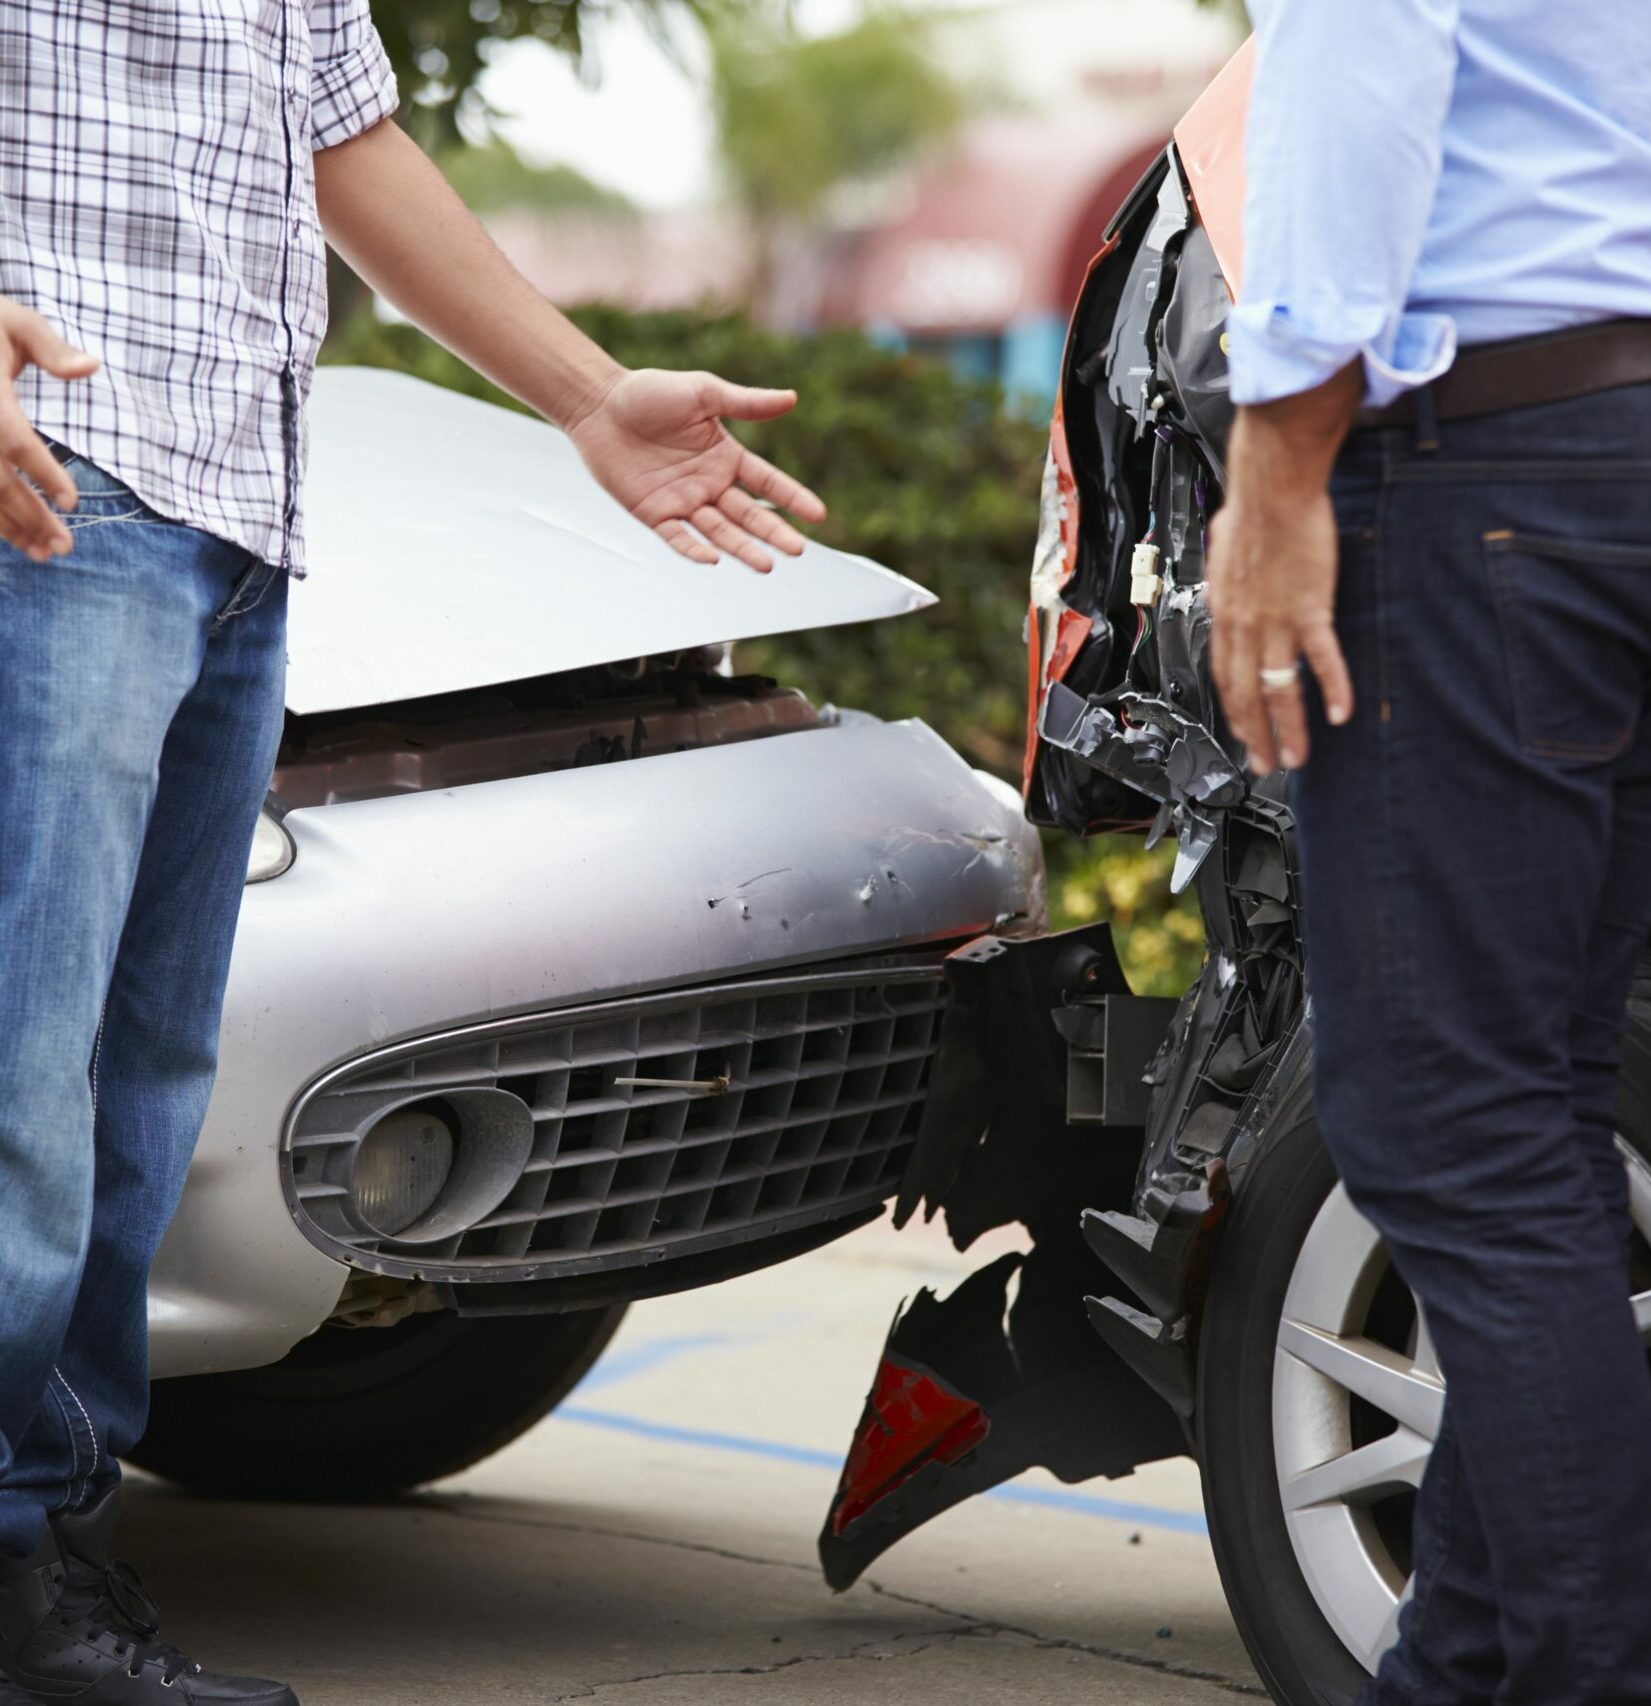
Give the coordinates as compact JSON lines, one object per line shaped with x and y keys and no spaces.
{"x":1425,"y":174}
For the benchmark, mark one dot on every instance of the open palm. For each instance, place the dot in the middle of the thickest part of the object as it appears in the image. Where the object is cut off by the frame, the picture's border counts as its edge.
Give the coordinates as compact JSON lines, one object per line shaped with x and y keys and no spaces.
{"x":656,"y":441}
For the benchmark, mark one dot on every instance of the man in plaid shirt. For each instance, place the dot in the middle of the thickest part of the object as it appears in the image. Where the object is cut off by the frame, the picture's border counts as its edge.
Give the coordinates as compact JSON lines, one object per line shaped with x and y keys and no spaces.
{"x":170,"y":171}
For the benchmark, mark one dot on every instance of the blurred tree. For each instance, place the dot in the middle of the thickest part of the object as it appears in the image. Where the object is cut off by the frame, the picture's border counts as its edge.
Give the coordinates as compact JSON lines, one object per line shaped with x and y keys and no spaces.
{"x":798,"y":116}
{"x":492,"y":175}
{"x":936,"y":477}
{"x":439,"y":47}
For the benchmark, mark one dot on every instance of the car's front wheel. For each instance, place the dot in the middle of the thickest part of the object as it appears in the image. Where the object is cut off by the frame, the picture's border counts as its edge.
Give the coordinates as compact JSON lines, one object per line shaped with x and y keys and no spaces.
{"x":1319,"y":1396}
{"x":365,"y":1413}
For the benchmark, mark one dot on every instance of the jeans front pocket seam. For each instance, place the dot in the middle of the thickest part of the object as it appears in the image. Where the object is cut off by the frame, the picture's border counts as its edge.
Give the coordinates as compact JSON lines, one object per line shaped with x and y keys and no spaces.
{"x":77,"y":521}
{"x":248,"y":594}
{"x":1500,"y":551}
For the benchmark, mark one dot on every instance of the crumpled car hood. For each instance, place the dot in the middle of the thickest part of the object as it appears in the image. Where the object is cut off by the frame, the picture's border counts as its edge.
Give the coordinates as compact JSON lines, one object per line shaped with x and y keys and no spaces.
{"x":454,"y":544}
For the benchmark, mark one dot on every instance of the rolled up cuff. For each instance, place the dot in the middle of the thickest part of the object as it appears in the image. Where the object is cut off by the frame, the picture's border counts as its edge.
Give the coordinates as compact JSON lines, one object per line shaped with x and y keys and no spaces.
{"x":1277,"y":352}
{"x":351,"y":93}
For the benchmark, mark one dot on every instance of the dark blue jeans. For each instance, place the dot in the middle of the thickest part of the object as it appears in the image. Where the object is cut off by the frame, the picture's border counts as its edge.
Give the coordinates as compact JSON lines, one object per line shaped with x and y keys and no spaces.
{"x":140,"y":708}
{"x":1477,"y":871}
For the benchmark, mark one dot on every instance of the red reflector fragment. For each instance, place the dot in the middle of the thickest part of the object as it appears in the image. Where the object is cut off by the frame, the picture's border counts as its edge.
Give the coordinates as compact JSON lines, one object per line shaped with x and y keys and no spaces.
{"x":910,"y":1420}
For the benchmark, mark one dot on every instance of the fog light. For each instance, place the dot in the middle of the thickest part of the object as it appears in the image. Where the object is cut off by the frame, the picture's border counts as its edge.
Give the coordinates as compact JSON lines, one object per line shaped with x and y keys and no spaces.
{"x":401,"y":1168}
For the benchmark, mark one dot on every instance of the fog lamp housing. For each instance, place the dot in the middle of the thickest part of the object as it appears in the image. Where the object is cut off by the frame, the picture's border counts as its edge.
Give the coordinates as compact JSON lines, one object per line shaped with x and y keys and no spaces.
{"x":401,"y":1168}
{"x":429,"y":1170}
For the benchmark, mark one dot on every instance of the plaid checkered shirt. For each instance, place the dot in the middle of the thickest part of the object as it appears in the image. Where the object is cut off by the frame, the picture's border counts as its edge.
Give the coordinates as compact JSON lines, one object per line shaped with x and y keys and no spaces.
{"x":157,"y":206}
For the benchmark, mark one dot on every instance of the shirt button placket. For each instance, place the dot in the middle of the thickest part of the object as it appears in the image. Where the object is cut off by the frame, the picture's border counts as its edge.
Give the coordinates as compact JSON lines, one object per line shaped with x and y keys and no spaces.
{"x":292,"y":107}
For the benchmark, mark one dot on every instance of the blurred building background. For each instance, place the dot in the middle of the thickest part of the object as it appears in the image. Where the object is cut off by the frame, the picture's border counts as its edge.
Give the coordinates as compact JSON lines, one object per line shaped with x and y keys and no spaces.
{"x":966,"y":235}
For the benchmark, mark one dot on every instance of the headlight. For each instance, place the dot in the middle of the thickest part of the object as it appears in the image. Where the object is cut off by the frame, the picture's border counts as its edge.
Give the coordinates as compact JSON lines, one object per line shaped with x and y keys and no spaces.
{"x":401,"y":1168}
{"x":272,"y":848}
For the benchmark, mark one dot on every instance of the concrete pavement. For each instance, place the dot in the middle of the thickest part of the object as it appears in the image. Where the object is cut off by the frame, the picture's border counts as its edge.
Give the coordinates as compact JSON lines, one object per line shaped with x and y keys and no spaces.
{"x":652,"y":1545}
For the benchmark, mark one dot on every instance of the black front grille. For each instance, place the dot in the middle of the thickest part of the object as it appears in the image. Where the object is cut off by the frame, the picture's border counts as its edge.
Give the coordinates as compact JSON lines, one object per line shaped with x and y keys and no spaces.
{"x":783,"y":1104}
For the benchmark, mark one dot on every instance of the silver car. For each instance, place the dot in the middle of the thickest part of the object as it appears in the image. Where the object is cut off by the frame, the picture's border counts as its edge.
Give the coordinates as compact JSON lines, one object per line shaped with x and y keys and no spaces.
{"x":573,"y":968}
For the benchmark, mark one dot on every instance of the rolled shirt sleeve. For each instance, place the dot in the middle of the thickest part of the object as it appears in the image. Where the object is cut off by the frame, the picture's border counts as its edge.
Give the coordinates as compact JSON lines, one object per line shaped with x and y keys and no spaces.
{"x":1343,"y":156}
{"x":352,"y":86}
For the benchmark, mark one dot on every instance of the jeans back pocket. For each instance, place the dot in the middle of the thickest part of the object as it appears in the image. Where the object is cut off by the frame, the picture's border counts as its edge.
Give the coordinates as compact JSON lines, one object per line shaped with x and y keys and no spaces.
{"x":1575,"y":620}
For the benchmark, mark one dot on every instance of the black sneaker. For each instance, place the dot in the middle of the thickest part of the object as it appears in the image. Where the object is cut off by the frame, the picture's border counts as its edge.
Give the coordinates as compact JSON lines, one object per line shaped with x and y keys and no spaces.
{"x":11,"y":1695}
{"x":75,"y":1624}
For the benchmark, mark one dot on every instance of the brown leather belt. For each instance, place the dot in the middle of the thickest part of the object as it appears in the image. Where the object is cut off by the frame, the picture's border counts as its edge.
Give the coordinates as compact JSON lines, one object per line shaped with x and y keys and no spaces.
{"x":1490,"y":379}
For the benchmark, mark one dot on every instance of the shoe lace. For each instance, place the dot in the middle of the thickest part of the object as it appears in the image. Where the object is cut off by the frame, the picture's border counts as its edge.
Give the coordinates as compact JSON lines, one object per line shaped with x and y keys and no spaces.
{"x":112,"y":1600}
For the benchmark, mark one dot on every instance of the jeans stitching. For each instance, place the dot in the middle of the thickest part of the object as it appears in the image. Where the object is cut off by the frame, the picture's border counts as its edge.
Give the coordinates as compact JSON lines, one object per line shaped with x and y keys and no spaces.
{"x":97,"y":1056}
{"x":97,"y":1450}
{"x":132,"y":517}
{"x":243,"y":600}
{"x":1602,"y":552}
{"x":69,"y":1434}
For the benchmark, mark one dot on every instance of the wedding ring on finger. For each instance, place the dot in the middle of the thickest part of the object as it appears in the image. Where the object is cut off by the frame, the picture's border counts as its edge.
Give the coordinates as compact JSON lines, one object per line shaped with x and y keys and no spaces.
{"x":1279,"y":680}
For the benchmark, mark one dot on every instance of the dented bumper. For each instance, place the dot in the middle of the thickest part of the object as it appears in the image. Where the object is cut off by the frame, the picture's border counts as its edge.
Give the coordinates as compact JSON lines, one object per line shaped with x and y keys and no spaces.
{"x":413,"y":916}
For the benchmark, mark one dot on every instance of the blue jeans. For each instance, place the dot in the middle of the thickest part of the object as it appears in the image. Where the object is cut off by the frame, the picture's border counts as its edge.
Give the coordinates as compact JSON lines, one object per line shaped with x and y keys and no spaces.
{"x":140,"y":710}
{"x":1477,"y":882}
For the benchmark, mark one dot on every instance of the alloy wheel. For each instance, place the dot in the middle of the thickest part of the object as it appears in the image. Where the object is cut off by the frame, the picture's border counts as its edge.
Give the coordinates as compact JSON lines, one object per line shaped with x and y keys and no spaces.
{"x":1357,"y":1401}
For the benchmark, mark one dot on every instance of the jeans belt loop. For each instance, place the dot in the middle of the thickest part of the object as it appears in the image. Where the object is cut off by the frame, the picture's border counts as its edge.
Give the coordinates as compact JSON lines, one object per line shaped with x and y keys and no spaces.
{"x":1427,"y":421}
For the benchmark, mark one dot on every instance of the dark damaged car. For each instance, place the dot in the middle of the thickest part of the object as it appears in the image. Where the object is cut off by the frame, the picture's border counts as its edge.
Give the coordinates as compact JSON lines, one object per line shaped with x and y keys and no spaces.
{"x":1197,"y":1282}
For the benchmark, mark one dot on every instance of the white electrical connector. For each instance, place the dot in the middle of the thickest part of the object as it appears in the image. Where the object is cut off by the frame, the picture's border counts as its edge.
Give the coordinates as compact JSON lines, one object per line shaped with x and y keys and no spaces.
{"x":1144,"y":579}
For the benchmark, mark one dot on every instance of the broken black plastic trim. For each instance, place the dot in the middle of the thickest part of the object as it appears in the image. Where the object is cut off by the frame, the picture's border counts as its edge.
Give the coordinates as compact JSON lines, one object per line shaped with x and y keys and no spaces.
{"x":976,"y":1388}
{"x":1005,"y":1373}
{"x":996,"y":1145}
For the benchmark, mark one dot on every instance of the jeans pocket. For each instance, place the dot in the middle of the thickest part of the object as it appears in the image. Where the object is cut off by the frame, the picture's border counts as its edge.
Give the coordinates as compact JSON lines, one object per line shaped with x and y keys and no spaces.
{"x":1569,"y":612}
{"x":248,"y":591}
{"x":91,"y":481}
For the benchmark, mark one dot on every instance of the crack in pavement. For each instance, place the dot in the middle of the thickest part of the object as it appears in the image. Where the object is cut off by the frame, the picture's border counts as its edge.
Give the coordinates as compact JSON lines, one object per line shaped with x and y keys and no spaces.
{"x":860,"y":1653}
{"x":1067,"y":1643}
{"x":969,"y":1623}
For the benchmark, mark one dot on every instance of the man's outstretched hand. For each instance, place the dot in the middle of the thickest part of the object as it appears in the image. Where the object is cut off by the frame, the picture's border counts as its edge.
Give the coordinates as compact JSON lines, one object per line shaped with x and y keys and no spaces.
{"x":25,"y":521}
{"x":656,"y":441}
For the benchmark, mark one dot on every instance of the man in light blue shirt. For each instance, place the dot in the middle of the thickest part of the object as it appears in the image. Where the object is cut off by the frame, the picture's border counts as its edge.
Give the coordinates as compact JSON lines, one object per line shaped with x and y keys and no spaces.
{"x":1439,"y":500}
{"x":1427,"y":173}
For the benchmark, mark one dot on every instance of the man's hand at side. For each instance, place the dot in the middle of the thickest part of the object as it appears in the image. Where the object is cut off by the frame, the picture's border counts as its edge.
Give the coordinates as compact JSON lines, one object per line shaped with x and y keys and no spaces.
{"x":655,"y":440}
{"x":1272,"y":573}
{"x":25,"y":521}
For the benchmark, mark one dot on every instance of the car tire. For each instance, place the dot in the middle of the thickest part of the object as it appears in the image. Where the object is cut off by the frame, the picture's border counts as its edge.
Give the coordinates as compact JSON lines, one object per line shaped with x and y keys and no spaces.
{"x":356,"y":1414}
{"x":1300,"y":1656}
{"x":1294,"y":1253}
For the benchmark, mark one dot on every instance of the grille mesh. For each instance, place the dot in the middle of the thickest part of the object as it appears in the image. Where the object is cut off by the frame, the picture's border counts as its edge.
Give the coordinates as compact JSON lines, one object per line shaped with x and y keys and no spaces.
{"x":826,"y":1078}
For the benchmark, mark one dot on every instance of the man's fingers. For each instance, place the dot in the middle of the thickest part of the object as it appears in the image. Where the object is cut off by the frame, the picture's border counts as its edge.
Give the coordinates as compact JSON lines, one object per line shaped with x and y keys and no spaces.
{"x":744,"y":511}
{"x":1324,"y":658}
{"x":26,"y":522}
{"x":769,"y":482}
{"x":22,"y":447}
{"x":1284,"y":709}
{"x":734,"y":540}
{"x":683,"y":539}
{"x":1241,"y":697}
{"x":35,"y":340}
{"x":745,"y":402}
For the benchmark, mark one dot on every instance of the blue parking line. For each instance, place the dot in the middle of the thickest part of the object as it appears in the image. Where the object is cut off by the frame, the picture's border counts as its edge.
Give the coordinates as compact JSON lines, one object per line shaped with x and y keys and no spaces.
{"x":633,"y":1360}
{"x":1049,"y":1498}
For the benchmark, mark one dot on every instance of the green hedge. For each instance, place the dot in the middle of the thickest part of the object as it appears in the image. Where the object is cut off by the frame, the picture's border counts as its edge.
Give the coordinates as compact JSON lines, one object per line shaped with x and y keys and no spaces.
{"x":935,"y":477}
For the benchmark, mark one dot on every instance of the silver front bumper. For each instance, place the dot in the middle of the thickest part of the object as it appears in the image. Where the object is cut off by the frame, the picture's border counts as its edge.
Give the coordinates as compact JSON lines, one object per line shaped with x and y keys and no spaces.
{"x":423,"y":913}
